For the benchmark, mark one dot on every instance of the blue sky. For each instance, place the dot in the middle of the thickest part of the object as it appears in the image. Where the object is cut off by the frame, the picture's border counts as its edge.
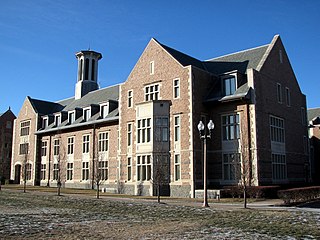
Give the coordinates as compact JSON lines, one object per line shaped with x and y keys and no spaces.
{"x":38,"y":39}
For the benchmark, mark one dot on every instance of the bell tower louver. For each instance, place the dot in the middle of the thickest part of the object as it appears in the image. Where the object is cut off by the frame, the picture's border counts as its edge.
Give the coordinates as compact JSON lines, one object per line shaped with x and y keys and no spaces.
{"x":87,"y":72}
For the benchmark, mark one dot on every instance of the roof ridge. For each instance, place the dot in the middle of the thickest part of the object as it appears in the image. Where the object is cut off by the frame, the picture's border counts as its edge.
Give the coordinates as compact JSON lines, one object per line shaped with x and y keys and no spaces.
{"x":245,"y":50}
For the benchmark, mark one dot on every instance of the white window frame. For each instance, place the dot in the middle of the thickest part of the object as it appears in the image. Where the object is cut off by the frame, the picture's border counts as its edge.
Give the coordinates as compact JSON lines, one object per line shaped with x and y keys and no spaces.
{"x":230,"y":124}
{"x":85,"y":171}
{"x":70,"y":146}
{"x":43,"y":171}
{"x":104,"y":110}
{"x":103,"y":167}
{"x":231,"y":163}
{"x":129,"y":168}
{"x":71,"y":117}
{"x":277,"y":129}
{"x":44,"y":145}
{"x":55,"y":171}
{"x":152,"y":92}
{"x":129,"y":134}
{"x":144,"y":168}
{"x":45,"y":122}
{"x":229,"y":87}
{"x":86,"y":114}
{"x":103,"y":142}
{"x":177,"y":167}
{"x":177,"y":128}
{"x":69,"y":174}
{"x":56,"y":147}
{"x":130,"y":98}
{"x":57,"y":119}
{"x":25,"y":128}
{"x":85,"y":144}
{"x":176,"y":88}
{"x":279,"y":167}
{"x":144,"y":130}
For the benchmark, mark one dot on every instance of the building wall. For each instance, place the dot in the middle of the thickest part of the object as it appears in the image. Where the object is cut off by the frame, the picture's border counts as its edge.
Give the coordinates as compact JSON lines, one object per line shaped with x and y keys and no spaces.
{"x":6,"y":131}
{"x":277,"y":69}
{"x":26,"y":114}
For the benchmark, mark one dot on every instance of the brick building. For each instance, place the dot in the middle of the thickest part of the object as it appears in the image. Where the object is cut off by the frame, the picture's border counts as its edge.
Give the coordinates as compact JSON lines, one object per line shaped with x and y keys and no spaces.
{"x":314,"y":138}
{"x":6,"y":128}
{"x":129,"y":133}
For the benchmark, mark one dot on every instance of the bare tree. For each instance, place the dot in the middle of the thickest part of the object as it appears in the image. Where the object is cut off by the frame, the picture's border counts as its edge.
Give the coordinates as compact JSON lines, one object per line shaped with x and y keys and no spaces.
{"x":24,"y":148}
{"x":59,"y":162}
{"x":160,"y":173}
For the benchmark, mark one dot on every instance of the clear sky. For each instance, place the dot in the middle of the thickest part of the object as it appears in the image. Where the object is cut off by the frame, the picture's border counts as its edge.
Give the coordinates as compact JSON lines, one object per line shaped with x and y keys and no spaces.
{"x":39,"y":39}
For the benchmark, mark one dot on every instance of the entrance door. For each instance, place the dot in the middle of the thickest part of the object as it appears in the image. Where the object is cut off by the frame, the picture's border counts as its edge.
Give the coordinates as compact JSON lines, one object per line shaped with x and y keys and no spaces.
{"x":17,"y":174}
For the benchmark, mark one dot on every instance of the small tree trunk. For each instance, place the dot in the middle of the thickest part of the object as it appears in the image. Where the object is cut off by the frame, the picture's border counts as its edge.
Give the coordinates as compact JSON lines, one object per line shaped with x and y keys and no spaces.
{"x":245,"y":197}
{"x":98,"y":196}
{"x":158,"y":190}
{"x":24,"y":185}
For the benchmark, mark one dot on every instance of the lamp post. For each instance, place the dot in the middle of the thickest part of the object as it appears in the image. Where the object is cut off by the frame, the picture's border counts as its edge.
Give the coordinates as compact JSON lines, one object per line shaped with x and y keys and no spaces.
{"x":204,"y":137}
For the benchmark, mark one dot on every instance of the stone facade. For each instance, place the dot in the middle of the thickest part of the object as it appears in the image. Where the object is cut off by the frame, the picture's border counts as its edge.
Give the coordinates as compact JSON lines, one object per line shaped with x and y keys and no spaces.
{"x":252,"y":97}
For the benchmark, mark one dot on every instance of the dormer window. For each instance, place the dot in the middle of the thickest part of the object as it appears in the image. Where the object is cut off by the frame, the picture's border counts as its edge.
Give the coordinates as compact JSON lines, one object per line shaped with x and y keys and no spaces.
{"x":229,"y":85}
{"x":86,"y":114}
{"x":104,"y":110}
{"x":44,"y":122}
{"x":71,"y":117}
{"x":57,"y":120}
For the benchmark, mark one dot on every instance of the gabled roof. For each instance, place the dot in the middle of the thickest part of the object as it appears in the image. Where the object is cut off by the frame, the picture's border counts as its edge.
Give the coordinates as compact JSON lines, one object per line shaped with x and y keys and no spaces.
{"x":240,"y":61}
{"x":44,"y":107}
{"x":94,"y":97}
{"x":313,"y":113}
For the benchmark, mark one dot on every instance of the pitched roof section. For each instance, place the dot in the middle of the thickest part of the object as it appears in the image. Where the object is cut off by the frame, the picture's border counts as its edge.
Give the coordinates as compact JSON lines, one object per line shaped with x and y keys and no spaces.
{"x":313,"y":113}
{"x":240,"y":61}
{"x":94,"y":97}
{"x":45,"y":107}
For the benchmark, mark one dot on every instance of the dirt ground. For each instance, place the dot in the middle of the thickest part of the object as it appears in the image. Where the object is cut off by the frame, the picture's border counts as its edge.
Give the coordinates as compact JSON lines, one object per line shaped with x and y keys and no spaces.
{"x":44,"y":215}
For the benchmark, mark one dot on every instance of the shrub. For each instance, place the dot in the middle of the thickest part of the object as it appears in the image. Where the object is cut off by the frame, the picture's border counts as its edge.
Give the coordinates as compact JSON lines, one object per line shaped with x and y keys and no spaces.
{"x":252,"y":191}
{"x":296,"y":195}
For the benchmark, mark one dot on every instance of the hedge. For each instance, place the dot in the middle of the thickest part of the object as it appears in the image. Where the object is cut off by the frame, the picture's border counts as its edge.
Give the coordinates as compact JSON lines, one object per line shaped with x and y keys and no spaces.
{"x":297,"y":195}
{"x":252,"y":191}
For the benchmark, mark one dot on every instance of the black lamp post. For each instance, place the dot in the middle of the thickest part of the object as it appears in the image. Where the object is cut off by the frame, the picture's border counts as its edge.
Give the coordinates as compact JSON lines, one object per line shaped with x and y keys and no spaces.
{"x":204,"y":137}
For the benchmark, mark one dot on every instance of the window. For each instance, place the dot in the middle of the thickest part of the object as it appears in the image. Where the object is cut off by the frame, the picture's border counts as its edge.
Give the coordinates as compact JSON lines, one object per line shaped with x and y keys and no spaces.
{"x":152,"y":68}
{"x":276,"y":129}
{"x":9,"y":125}
{"x":288,"y":97}
{"x":104,"y":110}
{"x":43,"y":172}
{"x":230,"y":127}
{"x":85,"y":170}
{"x":231,"y":166}
{"x":25,"y":128}
{"x":280,"y":56}
{"x":71,"y":117}
{"x":229,"y":85}
{"x":28,"y":171}
{"x":144,"y":130}
{"x":129,"y":98}
{"x":103,"y":142}
{"x":44,"y":148}
{"x":85,"y":143}
{"x":161,"y":129}
{"x":93,"y":63}
{"x":86,"y":76}
{"x":56,"y":147}
{"x":44,"y":122}
{"x":69,"y":171}
{"x":144,"y":167}
{"x":56,"y":171}
{"x":177,"y":128}
{"x":129,"y":134}
{"x":129,"y":169}
{"x":177,"y":167}
{"x":176,"y":88}
{"x":103,"y":168}
{"x":24,"y":148}
{"x":303,"y":116}
{"x":57,"y":120}
{"x":152,"y":92}
{"x":70,"y":145}
{"x":279,"y":93}
{"x":86,"y":114}
{"x":279,"y":170}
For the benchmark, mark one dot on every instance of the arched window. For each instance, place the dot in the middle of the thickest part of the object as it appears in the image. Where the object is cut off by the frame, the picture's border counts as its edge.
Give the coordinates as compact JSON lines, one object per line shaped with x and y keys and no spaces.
{"x":86,"y":76}
{"x":80,"y":69}
{"x":93,"y":63}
